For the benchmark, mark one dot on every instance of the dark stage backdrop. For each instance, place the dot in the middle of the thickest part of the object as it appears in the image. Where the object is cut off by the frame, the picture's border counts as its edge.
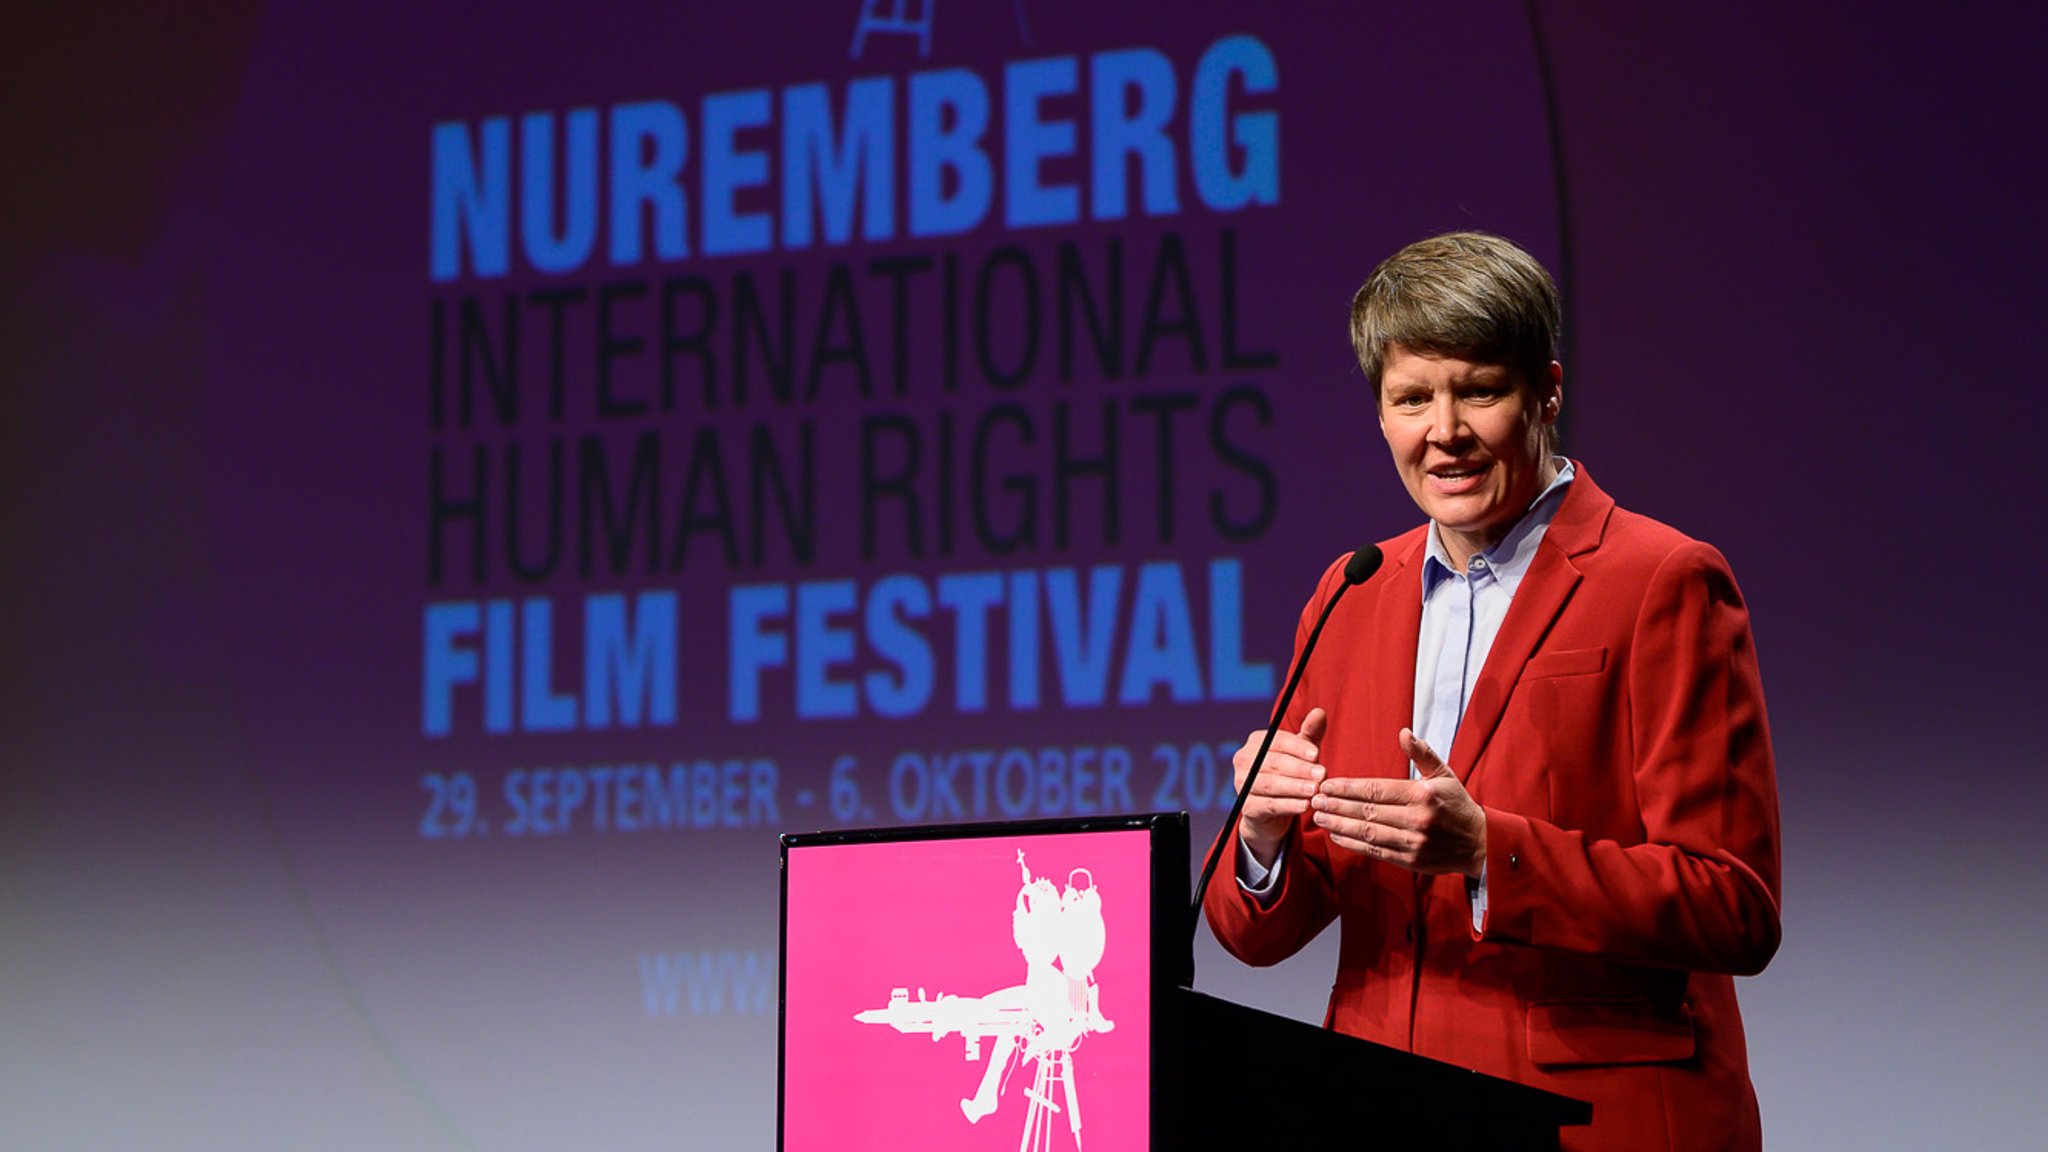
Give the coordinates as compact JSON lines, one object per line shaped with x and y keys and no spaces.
{"x":474,"y":475}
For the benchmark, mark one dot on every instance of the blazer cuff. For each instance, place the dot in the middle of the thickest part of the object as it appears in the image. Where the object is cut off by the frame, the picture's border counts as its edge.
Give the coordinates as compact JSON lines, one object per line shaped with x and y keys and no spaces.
{"x":1508,"y":877}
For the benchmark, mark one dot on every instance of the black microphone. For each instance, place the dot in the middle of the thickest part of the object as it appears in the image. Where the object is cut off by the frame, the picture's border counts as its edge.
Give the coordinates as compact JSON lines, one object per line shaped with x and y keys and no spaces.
{"x":1357,"y":570}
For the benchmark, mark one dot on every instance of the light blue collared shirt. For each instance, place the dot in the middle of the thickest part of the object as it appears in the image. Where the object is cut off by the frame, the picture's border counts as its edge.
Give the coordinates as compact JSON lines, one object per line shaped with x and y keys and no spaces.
{"x":1461,"y":614}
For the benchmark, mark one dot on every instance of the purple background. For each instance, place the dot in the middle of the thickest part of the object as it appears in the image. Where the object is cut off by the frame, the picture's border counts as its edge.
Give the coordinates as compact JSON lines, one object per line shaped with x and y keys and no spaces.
{"x":1802,"y":262}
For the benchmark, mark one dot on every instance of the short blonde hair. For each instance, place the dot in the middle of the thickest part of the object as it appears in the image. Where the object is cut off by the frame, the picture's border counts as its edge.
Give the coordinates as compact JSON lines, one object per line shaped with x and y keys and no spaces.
{"x":1472,"y":295}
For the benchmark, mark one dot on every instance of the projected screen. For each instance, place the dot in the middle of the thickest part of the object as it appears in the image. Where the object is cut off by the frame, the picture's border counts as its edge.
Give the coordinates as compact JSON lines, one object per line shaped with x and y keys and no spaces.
{"x":952,"y":989}
{"x":743,"y":434}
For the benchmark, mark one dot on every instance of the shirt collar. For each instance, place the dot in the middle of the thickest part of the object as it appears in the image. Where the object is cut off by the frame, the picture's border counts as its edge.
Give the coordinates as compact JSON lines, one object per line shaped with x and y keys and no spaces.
{"x":1509,"y":559}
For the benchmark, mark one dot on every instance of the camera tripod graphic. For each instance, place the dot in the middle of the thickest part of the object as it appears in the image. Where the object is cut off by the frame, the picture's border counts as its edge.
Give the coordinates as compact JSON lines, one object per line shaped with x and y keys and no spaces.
{"x":1040,"y":1022}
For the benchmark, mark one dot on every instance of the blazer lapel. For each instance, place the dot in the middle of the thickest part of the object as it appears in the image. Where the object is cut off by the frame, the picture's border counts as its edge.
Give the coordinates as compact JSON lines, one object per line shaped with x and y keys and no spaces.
{"x":1399,"y":622}
{"x":1545,"y":589}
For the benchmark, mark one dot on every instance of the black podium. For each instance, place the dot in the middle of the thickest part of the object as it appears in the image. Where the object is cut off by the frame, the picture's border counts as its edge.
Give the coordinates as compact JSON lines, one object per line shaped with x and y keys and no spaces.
{"x":862,"y":1065}
{"x":1206,"y":1093}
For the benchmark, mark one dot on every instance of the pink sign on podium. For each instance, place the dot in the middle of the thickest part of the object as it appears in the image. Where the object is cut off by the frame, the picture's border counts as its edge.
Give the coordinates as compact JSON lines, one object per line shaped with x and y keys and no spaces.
{"x":976,"y":987}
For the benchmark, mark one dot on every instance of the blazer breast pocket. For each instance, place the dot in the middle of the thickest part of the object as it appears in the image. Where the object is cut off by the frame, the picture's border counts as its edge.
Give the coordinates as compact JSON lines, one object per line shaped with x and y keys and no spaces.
{"x":1567,"y":662}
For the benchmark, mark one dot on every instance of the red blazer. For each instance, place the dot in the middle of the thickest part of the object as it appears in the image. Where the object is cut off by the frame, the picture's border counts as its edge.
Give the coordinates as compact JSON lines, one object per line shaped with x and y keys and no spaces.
{"x":1617,"y":739}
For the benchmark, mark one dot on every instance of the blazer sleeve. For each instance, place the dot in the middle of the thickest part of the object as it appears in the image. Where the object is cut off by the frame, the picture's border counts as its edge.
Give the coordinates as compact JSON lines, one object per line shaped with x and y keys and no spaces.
{"x":1696,"y":886}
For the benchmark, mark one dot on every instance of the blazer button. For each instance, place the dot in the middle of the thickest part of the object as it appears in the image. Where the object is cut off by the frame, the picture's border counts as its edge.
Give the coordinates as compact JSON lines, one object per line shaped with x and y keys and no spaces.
{"x":1411,"y":932}
{"x":1514,"y":861}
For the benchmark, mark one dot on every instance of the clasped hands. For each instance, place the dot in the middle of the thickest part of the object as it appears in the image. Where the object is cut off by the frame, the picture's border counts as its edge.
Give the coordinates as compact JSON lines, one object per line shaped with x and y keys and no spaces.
{"x":1426,"y":824}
